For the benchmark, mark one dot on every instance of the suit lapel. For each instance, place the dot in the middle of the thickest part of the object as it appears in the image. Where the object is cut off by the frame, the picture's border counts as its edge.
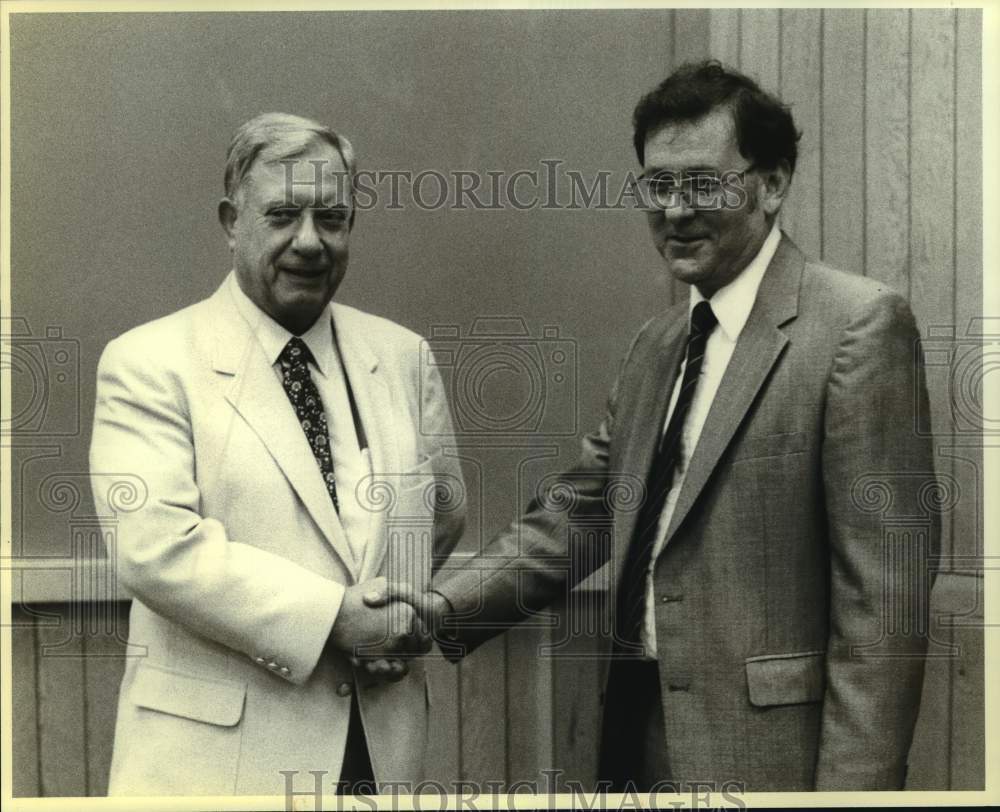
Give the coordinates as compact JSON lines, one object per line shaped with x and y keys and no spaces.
{"x":257,"y":395}
{"x":759,"y":346}
{"x":649,"y":409}
{"x":373,"y":397}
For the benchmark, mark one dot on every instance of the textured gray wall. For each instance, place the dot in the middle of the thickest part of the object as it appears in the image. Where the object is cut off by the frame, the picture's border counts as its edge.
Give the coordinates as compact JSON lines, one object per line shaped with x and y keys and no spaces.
{"x":120,"y":124}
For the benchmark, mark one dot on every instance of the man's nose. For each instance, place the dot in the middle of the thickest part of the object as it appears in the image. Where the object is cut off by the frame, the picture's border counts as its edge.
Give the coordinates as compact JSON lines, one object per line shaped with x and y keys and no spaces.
{"x":306,"y":239}
{"x":678,"y":208}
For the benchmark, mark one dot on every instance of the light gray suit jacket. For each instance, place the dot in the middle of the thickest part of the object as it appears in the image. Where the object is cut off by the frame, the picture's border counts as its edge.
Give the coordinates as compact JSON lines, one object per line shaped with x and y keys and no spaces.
{"x":791,"y":625}
{"x":236,"y":557}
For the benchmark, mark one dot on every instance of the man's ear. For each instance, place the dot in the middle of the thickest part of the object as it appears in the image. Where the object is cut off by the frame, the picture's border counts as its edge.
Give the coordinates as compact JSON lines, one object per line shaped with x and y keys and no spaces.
{"x":776,"y":183}
{"x":227,"y":217}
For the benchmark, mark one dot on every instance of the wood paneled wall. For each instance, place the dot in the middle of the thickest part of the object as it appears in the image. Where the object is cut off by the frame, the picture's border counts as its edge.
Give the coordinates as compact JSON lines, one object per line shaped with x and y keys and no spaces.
{"x":888,"y":185}
{"x":508,"y":713}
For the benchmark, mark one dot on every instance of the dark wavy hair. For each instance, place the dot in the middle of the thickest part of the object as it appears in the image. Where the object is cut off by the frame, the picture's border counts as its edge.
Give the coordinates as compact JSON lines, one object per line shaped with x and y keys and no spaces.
{"x":765,"y":131}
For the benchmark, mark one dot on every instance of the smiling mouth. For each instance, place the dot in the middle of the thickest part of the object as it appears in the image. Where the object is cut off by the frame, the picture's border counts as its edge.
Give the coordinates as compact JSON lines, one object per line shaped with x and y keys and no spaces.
{"x":307,"y":273}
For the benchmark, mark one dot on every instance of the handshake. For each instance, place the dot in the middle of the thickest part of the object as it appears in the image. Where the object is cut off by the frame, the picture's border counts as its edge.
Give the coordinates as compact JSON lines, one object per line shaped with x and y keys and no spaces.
{"x":382,"y":625}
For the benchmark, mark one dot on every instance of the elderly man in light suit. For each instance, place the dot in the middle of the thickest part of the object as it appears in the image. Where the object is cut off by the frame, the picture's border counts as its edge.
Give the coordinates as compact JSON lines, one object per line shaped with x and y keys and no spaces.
{"x":769,"y":634}
{"x":260,"y":421}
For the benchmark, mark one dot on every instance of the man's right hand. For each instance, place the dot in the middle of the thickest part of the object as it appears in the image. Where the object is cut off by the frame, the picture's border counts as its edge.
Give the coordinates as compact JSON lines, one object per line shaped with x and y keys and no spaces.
{"x":430,"y":606}
{"x":368,"y":627}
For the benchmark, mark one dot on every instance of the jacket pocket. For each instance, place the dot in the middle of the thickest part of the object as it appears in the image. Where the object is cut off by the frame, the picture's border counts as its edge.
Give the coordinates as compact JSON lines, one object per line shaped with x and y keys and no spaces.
{"x":204,"y":699}
{"x":770,"y":445}
{"x":786,"y":679}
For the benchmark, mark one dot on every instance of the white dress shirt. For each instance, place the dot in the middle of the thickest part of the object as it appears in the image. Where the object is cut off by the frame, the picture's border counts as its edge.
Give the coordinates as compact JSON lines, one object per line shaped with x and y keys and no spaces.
{"x":732,"y":305}
{"x":350,"y":463}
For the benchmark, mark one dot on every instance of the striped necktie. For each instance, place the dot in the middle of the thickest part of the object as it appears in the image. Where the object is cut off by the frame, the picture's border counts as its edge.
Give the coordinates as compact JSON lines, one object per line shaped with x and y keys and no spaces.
{"x":631,"y":603}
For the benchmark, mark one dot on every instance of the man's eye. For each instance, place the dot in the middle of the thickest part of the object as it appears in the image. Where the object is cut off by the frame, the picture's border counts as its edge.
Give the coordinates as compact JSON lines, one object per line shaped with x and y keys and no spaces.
{"x":665,"y":185}
{"x":664,"y":180}
{"x":283,"y":215}
{"x":331,"y":216}
{"x":702,"y":181}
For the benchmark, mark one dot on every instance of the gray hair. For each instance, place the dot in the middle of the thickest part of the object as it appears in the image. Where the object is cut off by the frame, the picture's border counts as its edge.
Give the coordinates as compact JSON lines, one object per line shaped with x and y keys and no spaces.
{"x":280,"y":135}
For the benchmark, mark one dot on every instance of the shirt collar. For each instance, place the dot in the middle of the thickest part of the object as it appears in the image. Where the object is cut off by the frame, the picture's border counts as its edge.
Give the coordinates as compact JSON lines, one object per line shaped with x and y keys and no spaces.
{"x":273,"y":337}
{"x":732,"y":303}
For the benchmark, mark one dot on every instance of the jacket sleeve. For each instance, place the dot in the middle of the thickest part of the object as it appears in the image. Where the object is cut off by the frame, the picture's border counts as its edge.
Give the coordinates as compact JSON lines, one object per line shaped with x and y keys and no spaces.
{"x":876,"y":464}
{"x":537,"y":558}
{"x":179,"y":563}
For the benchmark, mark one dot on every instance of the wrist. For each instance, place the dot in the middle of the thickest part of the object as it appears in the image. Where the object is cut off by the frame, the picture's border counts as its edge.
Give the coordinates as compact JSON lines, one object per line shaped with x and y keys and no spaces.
{"x":439,"y":608}
{"x":340,"y":631}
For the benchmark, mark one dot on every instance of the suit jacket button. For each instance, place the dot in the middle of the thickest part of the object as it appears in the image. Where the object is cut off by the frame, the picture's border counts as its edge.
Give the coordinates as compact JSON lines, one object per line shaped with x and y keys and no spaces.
{"x":344,"y":689}
{"x":284,"y":671}
{"x":259,"y":660}
{"x":272,"y":665}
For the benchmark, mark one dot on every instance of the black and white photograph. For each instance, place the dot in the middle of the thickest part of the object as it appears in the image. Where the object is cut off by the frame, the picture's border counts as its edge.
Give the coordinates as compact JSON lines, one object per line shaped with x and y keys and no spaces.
{"x":482,"y":406}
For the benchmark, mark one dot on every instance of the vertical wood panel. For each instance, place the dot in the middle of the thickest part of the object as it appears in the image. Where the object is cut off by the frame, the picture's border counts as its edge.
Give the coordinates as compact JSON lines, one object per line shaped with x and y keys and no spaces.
{"x":968,"y":166}
{"x":724,"y":35}
{"x":443,"y":755}
{"x":887,"y":144}
{"x":932,"y":171}
{"x":103,"y":669}
{"x":529,"y":705}
{"x":577,"y":711}
{"x":843,"y":114}
{"x":932,"y":201}
{"x":62,"y":710}
{"x":24,"y":732}
{"x":801,"y":88}
{"x":928,"y":767}
{"x":967,"y":520}
{"x":928,"y":762}
{"x":484,"y":713}
{"x":968,"y":736}
{"x":760,"y":46}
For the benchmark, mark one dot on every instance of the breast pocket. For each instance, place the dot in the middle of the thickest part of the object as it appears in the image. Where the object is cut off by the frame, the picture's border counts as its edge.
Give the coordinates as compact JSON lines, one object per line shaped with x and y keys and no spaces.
{"x":770,"y":445}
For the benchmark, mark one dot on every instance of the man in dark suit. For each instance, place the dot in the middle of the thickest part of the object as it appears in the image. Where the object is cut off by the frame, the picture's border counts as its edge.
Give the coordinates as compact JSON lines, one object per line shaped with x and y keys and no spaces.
{"x":768,"y":633}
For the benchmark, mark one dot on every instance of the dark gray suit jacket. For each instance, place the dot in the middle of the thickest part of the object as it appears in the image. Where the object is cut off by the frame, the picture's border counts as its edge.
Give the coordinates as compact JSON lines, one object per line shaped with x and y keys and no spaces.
{"x":791,"y":620}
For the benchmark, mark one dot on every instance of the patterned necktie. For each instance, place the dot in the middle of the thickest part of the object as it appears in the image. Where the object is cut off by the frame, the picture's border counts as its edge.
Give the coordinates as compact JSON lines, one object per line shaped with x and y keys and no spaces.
{"x":308,"y":405}
{"x":631,"y":607}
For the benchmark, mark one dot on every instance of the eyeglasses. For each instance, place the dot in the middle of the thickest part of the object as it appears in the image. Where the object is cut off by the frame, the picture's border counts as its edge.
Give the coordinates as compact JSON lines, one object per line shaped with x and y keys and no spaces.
{"x":704,"y":190}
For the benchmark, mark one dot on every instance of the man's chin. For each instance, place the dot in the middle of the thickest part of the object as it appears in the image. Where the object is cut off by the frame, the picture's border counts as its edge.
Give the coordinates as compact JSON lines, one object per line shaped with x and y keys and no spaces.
{"x":298,"y":311}
{"x":686,"y":270}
